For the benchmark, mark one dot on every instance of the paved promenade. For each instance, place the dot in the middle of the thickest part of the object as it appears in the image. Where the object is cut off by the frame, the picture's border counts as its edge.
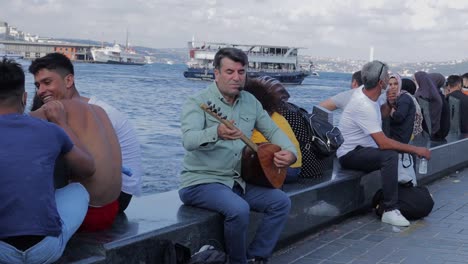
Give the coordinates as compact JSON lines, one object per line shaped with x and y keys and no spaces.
{"x":442,"y":237}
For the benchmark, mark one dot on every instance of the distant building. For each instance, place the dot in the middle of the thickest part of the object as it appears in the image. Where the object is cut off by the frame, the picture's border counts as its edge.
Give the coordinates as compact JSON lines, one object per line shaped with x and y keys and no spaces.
{"x":3,"y":30}
{"x":33,"y":50}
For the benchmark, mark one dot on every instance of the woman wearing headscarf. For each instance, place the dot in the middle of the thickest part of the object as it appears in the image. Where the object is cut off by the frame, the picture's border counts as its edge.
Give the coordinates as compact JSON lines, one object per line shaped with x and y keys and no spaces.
{"x":409,"y":88}
{"x":313,"y":165}
{"x":427,"y":90}
{"x":439,"y":81}
{"x":271,"y":94}
{"x":403,"y":112}
{"x":408,"y":85}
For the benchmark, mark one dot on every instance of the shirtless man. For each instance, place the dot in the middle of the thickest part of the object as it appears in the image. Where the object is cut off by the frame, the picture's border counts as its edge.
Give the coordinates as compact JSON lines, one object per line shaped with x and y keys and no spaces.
{"x":92,"y":126}
{"x":126,"y":134}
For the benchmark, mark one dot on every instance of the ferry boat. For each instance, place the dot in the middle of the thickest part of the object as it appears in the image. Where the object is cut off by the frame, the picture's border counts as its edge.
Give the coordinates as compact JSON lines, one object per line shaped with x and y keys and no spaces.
{"x":280,"y":62}
{"x":117,"y":55}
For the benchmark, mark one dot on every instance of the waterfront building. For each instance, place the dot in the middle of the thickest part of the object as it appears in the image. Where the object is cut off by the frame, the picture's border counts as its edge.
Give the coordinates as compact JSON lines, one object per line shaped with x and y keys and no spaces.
{"x":3,"y":30}
{"x":33,"y":50}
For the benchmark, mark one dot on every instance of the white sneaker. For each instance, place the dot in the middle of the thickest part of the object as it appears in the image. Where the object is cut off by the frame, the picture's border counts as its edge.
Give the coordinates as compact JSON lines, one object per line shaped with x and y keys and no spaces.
{"x":395,"y":218}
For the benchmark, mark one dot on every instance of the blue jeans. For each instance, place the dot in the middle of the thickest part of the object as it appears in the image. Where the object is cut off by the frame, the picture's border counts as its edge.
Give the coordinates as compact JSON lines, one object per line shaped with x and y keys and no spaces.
{"x":72,"y":205}
{"x":235,"y":207}
{"x":292,"y":175}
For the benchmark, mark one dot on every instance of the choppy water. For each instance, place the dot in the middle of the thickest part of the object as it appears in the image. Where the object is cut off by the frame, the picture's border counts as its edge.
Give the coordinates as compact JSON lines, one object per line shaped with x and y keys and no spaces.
{"x":152,"y":97}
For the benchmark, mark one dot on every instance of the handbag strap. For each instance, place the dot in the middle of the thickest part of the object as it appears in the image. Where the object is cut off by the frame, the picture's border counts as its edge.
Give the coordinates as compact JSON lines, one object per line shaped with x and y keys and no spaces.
{"x":410,"y":160}
{"x":307,"y":124}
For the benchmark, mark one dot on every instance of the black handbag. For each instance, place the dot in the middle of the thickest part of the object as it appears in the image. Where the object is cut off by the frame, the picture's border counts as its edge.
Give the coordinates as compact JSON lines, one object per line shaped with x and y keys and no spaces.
{"x":415,"y":202}
{"x":325,"y":138}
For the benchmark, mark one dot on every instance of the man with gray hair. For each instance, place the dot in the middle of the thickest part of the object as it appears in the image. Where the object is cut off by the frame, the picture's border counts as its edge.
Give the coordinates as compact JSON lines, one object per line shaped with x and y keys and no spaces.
{"x":366,"y":147}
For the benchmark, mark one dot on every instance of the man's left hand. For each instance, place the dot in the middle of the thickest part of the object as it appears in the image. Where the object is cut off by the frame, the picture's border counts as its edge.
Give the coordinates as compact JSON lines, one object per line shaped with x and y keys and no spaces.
{"x":55,"y":112}
{"x":284,"y":158}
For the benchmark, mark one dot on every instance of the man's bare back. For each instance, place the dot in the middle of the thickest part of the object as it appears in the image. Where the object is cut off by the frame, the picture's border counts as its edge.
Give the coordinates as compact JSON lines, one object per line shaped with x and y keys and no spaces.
{"x":91,"y":125}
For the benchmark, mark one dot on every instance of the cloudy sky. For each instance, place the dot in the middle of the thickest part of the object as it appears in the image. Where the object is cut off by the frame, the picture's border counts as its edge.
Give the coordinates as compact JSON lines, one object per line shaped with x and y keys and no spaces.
{"x":399,"y":30}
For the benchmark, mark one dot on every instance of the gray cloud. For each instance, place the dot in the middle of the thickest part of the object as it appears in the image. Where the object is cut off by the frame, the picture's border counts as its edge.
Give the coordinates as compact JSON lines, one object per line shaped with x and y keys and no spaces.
{"x":399,"y":29}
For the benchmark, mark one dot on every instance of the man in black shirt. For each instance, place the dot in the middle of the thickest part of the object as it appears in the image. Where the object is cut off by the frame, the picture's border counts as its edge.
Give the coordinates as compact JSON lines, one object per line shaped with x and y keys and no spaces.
{"x":454,"y":88}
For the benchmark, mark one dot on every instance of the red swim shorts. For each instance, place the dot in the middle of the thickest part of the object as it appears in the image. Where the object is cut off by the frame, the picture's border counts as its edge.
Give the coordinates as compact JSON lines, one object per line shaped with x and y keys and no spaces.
{"x":100,"y":218}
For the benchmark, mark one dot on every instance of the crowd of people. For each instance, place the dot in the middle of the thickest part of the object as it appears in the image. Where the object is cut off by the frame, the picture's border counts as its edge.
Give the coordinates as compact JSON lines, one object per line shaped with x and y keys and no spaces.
{"x":93,"y":149}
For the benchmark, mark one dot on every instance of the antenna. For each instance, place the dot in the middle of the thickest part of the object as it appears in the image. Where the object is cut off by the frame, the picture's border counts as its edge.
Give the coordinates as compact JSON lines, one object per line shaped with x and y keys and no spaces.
{"x":371,"y":53}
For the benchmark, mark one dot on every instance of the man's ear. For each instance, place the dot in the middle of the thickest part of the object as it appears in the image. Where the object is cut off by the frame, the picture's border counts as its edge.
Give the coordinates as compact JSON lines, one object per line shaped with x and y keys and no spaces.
{"x":216,"y":73}
{"x":25,"y":98}
{"x":69,"y":80}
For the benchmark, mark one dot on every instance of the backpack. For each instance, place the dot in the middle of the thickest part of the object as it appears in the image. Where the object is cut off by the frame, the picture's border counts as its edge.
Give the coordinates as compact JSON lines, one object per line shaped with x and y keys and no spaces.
{"x":313,"y":164}
{"x":209,"y":255}
{"x":415,"y":201}
{"x":325,"y":138}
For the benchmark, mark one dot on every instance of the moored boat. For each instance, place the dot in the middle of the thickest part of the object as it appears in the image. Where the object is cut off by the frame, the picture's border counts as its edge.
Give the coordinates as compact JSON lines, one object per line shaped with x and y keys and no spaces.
{"x":280,"y":62}
{"x":117,"y":55}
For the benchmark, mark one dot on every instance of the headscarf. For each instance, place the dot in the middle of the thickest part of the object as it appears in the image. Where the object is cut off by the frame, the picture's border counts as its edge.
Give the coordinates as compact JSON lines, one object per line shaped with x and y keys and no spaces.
{"x":428,"y":90}
{"x":438,"y":79}
{"x":398,"y":78}
{"x":408,"y":85}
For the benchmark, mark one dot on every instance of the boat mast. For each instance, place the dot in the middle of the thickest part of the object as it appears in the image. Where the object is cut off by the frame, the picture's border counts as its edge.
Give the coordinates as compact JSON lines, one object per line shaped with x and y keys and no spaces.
{"x":126,"y":41}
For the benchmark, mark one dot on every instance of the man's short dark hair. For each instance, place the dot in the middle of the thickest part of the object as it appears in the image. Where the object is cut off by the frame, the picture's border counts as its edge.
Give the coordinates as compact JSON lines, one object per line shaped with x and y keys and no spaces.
{"x":11,"y":80}
{"x":234,"y":54}
{"x":465,"y":76}
{"x":357,"y":76}
{"x":53,"y":62}
{"x":454,"y":80}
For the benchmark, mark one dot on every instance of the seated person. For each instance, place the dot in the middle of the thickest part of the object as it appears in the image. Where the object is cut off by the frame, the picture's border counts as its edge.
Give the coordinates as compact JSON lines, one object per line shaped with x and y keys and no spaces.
{"x":271,"y":93}
{"x":454,"y":88}
{"x":366,"y":147}
{"x":403,"y":112}
{"x":340,"y":100}
{"x":36,"y":221}
{"x":92,"y":127}
{"x":129,"y":146}
{"x":211,"y":178}
{"x":408,"y":87}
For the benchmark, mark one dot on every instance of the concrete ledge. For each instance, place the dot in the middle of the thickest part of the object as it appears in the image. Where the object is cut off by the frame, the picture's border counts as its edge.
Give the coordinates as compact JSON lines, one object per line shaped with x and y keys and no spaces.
{"x":138,"y":235}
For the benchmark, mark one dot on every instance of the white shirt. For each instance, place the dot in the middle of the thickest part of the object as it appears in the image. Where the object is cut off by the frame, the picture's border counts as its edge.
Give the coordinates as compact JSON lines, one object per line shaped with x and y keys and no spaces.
{"x":360,"y":118}
{"x":129,"y":145}
{"x":342,"y":99}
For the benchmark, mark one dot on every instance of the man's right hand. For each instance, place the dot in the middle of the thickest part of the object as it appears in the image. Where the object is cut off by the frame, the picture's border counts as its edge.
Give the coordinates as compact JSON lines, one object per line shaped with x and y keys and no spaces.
{"x":391,"y":96}
{"x":423,"y":152}
{"x":226,"y":133}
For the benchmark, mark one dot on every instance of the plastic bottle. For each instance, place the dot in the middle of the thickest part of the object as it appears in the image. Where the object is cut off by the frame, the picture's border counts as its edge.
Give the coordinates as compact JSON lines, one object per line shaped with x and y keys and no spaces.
{"x":423,"y":166}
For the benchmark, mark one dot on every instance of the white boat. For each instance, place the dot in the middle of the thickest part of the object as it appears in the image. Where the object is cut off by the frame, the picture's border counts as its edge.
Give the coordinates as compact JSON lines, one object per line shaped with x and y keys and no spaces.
{"x":279,"y":62}
{"x":117,"y":55}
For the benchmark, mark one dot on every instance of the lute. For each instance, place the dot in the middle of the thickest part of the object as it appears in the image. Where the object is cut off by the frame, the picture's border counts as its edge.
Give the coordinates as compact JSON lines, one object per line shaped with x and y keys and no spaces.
{"x":257,"y":160}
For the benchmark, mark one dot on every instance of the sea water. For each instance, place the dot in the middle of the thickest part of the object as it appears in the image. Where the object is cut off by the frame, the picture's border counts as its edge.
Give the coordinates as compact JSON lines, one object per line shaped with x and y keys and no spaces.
{"x":152,"y":97}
